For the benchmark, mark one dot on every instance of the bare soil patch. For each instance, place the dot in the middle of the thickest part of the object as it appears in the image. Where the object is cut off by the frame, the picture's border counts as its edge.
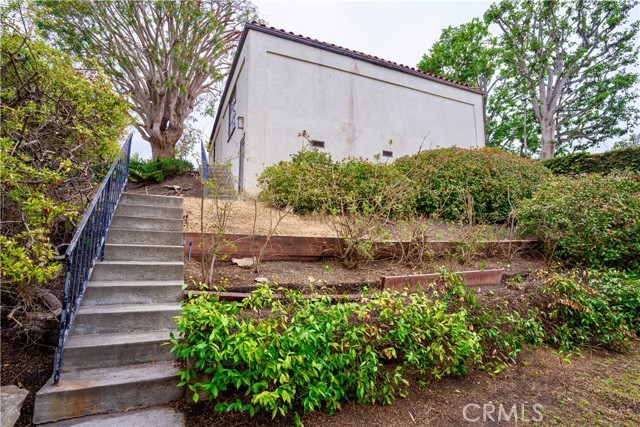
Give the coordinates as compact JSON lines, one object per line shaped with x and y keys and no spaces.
{"x":26,"y":363}
{"x":185,"y":185}
{"x":28,"y":367}
{"x":243,"y":214}
{"x":331,"y":272}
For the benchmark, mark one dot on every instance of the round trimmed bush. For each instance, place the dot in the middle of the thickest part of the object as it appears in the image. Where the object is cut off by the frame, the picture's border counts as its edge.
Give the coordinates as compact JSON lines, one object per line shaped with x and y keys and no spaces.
{"x":490,"y":181}
{"x":592,"y":220}
{"x":300,"y":183}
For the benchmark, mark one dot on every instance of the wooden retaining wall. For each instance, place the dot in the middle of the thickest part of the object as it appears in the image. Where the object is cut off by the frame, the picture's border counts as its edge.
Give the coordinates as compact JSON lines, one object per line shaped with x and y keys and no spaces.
{"x":469,"y":278}
{"x":301,"y":248}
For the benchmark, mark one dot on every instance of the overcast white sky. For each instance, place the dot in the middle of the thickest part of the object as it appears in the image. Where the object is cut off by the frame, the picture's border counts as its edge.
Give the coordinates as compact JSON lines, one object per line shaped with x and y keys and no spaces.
{"x":399,"y":31}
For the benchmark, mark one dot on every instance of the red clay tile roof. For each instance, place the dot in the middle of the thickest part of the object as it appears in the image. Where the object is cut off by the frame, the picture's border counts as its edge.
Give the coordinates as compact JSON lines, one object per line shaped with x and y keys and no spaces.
{"x":356,"y":54}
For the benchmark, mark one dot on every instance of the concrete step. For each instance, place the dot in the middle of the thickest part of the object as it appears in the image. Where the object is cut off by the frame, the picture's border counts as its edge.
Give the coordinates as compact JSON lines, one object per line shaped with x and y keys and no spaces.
{"x":149,"y":200}
{"x":97,"y":391}
{"x":149,"y":211}
{"x":137,"y":270}
{"x":119,"y":318}
{"x":115,"y":252}
{"x":155,"y":416}
{"x":132,"y":292}
{"x":145,"y":223}
{"x":143,"y":237}
{"x":104,"y":350}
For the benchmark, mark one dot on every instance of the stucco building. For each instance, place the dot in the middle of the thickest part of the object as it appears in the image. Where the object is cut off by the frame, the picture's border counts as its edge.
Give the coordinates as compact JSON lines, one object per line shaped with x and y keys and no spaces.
{"x":350,"y":103}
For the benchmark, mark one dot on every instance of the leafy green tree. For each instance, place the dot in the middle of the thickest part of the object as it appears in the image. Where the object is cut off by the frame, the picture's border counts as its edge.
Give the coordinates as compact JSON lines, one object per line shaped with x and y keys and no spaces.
{"x":573,"y":57}
{"x":467,"y":54}
{"x":559,"y":70}
{"x":509,"y":115}
{"x":57,"y":124}
{"x":163,"y":55}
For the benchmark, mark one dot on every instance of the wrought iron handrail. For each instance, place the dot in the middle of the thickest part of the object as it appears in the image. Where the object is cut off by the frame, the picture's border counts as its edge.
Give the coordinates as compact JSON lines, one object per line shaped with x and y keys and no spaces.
{"x":88,"y":244}
{"x":205,"y":163}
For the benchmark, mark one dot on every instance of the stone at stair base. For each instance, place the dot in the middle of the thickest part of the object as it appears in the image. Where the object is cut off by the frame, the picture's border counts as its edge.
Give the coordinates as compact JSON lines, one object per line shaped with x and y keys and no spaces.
{"x":155,"y":417}
{"x":11,"y":398}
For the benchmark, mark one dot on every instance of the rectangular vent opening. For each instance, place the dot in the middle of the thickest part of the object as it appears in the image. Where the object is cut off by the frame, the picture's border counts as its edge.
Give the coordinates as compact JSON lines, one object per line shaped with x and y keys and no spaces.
{"x":387,"y":153}
{"x":318,"y":144}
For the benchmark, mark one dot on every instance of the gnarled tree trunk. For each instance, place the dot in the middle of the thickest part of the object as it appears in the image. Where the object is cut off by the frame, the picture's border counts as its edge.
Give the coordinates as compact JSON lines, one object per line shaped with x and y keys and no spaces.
{"x":163,"y":143}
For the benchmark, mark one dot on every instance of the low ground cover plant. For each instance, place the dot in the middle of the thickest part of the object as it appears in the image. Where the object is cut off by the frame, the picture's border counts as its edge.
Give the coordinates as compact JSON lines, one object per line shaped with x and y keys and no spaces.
{"x":590,"y":221}
{"x":290,"y":354}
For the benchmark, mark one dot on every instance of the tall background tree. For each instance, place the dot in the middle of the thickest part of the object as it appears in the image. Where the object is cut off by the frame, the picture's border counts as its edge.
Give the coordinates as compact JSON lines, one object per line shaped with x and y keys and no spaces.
{"x":565,"y":64}
{"x":467,"y":53}
{"x":573,"y":57}
{"x":164,"y":56}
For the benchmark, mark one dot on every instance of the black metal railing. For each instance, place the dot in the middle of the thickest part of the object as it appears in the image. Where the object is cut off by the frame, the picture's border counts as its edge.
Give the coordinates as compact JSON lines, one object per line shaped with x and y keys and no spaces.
{"x":204,"y":161}
{"x":88,"y":244}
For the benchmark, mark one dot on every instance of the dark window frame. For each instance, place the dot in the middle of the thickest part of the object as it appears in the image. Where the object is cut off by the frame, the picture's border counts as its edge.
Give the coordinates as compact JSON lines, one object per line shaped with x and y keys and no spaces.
{"x":232,"y":114}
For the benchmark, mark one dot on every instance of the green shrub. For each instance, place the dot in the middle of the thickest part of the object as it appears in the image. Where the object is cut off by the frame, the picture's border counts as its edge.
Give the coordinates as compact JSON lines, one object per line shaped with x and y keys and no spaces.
{"x":453,"y":181}
{"x":371,"y":188}
{"x":581,"y":309}
{"x":601,"y":163}
{"x":56,"y":124}
{"x":591,"y":221}
{"x":292,"y":354}
{"x":285,"y":353}
{"x":313,"y":182}
{"x":157,"y":170}
{"x":447,"y":182}
{"x":302,"y":183}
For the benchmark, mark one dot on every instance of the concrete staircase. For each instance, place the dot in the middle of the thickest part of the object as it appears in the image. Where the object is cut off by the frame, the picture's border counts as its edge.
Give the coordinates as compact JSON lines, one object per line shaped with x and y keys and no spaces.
{"x":225,"y":186}
{"x":114,"y":358}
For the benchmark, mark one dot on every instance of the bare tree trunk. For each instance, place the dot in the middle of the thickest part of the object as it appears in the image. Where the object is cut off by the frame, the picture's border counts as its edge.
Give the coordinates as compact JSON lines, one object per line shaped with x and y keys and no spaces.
{"x":548,"y":138}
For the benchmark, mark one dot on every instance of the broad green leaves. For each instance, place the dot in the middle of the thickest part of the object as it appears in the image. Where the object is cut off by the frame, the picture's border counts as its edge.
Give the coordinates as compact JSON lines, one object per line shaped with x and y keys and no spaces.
{"x":292,"y":353}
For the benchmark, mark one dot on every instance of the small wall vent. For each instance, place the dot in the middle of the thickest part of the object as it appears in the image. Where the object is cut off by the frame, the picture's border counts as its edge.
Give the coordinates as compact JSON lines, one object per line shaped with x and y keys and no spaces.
{"x":317,"y":144}
{"x":387,"y":153}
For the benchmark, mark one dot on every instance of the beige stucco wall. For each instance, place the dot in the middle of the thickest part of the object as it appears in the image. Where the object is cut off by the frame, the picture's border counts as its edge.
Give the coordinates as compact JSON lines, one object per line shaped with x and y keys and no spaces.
{"x":355,"y":107}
